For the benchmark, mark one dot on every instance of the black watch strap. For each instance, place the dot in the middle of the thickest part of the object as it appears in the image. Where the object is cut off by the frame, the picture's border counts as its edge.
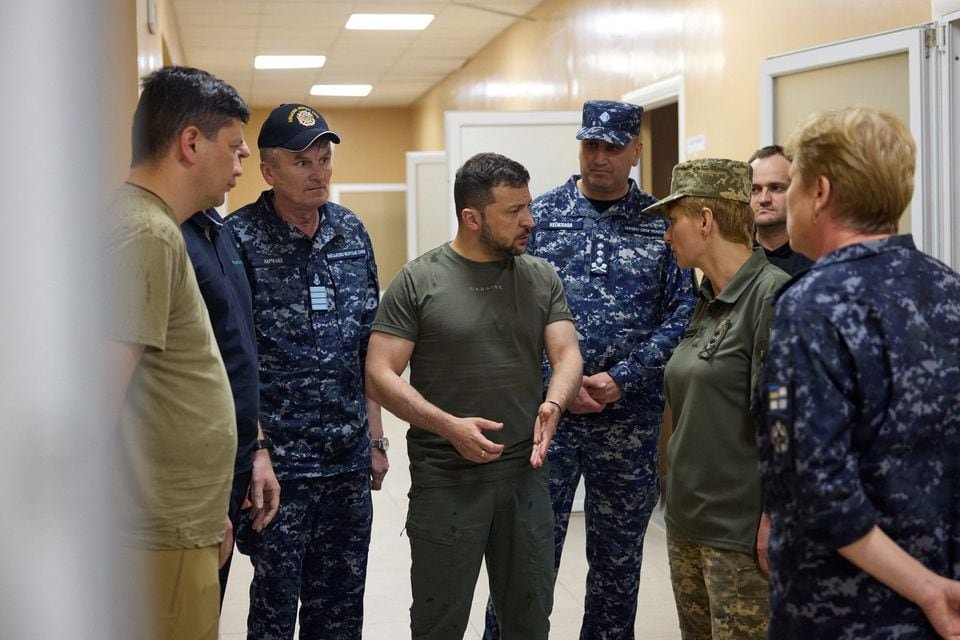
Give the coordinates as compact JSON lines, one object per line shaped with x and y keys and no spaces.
{"x":263,"y":443}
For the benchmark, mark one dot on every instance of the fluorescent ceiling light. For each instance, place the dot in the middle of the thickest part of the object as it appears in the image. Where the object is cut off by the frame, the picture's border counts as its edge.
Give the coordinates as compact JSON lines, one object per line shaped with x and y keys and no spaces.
{"x":289,"y":62}
{"x":390,"y":21}
{"x":354,"y":90}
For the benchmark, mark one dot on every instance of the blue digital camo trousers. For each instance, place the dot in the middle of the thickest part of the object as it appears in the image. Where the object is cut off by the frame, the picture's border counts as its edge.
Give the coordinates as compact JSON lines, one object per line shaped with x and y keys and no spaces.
{"x":315,"y":551}
{"x":616,"y":453}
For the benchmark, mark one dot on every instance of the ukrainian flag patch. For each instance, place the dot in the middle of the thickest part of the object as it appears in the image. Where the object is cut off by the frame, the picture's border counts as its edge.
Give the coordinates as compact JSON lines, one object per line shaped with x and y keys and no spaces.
{"x":778,"y":398}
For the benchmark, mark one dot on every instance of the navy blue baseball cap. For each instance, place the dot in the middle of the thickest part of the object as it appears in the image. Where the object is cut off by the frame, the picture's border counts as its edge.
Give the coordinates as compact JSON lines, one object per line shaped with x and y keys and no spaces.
{"x":610,"y":121}
{"x":294,"y":127}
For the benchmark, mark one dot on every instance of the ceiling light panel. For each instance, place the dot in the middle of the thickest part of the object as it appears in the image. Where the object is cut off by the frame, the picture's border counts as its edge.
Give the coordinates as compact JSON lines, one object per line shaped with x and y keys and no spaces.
{"x":289,"y":62}
{"x":389,"y":21}
{"x":351,"y":90}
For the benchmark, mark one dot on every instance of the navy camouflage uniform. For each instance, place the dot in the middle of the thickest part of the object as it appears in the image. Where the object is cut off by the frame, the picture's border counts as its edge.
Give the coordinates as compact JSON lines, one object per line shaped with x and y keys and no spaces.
{"x":631,"y":304}
{"x":858,"y":413}
{"x":314,"y":301}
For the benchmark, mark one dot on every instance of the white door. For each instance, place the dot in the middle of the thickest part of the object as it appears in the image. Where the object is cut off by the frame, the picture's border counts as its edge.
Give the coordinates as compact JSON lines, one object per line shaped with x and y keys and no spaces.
{"x":897,"y":71}
{"x":427,"y":208}
{"x":542,"y":141}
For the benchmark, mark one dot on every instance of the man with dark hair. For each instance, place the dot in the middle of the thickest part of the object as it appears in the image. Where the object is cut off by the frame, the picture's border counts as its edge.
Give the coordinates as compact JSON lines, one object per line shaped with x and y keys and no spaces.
{"x":473,"y":318}
{"x":630,"y":303}
{"x":312,"y":272}
{"x":201,"y":100}
{"x":168,"y":391}
{"x":769,"y":202}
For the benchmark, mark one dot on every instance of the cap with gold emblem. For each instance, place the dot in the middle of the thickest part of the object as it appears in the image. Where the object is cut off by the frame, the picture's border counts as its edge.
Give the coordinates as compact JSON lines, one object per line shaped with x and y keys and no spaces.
{"x":294,"y":127}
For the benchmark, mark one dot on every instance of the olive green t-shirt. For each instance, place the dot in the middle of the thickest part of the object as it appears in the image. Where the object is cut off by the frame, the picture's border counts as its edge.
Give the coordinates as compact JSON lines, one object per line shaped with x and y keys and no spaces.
{"x":176,"y":435}
{"x":713,"y":485}
{"x":478,"y":329}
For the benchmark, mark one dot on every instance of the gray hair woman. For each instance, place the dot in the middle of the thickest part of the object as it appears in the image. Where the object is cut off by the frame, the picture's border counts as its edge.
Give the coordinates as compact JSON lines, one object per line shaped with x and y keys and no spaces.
{"x":859,"y":402}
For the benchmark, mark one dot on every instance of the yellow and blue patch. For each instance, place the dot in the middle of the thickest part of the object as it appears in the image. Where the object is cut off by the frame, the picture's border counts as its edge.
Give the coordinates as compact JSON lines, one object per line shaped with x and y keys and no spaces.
{"x":778,"y":398}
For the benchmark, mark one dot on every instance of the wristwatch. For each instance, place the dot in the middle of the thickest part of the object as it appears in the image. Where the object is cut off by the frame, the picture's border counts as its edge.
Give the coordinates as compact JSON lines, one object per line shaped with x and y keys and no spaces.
{"x":380,"y":443}
{"x":263,"y":443}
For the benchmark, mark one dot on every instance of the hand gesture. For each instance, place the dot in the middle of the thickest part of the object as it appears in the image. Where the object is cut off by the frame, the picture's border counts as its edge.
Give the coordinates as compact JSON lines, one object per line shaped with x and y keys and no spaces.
{"x":468,"y":439}
{"x":548,"y":416}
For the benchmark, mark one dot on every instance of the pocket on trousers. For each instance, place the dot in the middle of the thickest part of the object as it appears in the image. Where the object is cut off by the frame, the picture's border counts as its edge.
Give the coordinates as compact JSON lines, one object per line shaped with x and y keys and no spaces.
{"x":429,"y":535}
{"x":752,"y":584}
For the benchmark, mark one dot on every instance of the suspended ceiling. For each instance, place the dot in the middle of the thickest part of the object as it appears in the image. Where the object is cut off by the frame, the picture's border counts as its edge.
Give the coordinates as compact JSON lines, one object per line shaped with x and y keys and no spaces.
{"x":223,"y":36}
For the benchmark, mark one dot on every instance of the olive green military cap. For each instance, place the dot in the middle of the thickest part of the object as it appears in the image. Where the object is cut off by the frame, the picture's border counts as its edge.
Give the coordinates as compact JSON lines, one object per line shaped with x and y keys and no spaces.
{"x":707,"y":178}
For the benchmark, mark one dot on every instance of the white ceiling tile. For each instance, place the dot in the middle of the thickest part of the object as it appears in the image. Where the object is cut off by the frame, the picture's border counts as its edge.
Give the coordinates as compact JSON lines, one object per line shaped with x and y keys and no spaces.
{"x":223,"y":36}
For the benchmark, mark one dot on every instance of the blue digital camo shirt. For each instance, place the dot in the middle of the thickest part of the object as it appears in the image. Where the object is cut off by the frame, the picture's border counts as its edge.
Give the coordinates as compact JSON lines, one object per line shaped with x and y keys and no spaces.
{"x":858,"y":416}
{"x":313,"y":303}
{"x":630,"y":301}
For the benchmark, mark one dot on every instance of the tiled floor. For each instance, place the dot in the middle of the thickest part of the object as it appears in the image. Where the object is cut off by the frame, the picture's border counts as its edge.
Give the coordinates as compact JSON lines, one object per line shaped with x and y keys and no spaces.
{"x":388,"y":585}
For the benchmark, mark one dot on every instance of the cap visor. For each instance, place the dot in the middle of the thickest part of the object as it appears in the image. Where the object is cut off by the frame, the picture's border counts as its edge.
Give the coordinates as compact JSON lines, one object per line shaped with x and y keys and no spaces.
{"x":659,"y":208}
{"x":304,"y":139}
{"x":618,"y":138}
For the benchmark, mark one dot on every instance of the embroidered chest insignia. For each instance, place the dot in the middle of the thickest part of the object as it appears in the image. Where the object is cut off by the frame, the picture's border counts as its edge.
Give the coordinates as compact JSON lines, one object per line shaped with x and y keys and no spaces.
{"x":715,"y":340}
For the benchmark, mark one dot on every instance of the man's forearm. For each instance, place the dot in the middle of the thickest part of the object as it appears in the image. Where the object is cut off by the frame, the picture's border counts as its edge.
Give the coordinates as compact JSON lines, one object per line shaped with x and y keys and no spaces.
{"x":566,"y":379}
{"x":563,"y":388}
{"x":397,"y":396}
{"x":566,"y":363}
{"x":374,"y":417}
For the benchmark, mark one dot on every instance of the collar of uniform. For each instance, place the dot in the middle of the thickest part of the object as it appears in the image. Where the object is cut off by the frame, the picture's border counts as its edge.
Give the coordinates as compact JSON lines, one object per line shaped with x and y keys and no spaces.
{"x":285,"y":232}
{"x":740,"y":282}
{"x":208,"y":218}
{"x":783,"y":250}
{"x":628,"y":206}
{"x":865,"y":249}
{"x":332,"y":217}
{"x":330,"y":226}
{"x":850,"y":253}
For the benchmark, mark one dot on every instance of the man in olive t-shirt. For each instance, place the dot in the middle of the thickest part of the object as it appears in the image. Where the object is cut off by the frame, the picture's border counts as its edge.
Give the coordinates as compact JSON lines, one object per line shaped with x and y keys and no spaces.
{"x":473,"y":318}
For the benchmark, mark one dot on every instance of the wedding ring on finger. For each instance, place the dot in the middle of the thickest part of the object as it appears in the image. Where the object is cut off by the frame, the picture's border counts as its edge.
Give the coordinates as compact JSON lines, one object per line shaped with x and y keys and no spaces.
{"x":483,"y":454}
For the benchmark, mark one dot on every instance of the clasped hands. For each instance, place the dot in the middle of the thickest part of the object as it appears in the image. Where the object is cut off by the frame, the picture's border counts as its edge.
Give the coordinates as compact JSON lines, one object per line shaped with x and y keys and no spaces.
{"x":596,"y":392}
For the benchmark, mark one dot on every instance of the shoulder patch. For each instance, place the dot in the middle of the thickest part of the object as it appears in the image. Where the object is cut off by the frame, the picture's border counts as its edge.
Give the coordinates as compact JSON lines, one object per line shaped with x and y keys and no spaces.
{"x":778,"y":398}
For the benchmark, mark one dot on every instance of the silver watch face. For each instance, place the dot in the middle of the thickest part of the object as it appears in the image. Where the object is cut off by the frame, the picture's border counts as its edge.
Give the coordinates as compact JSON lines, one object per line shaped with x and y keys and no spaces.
{"x":380,"y":443}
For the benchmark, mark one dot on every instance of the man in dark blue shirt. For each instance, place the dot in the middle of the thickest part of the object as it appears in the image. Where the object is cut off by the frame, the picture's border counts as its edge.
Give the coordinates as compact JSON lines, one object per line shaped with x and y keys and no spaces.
{"x":226,"y":292}
{"x":769,"y":201}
